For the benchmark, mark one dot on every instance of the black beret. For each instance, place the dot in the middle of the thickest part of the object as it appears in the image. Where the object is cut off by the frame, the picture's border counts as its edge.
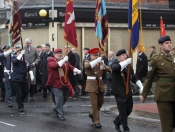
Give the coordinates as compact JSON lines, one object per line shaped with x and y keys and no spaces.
{"x":7,"y":47}
{"x":47,"y":44}
{"x":122,"y":51}
{"x":163,"y":39}
{"x":86,"y":48}
{"x":4,"y":47}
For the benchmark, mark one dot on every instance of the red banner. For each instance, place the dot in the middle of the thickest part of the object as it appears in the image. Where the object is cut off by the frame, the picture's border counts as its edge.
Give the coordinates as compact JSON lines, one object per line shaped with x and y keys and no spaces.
{"x":16,"y":25}
{"x":162,"y":28}
{"x":70,"y":34}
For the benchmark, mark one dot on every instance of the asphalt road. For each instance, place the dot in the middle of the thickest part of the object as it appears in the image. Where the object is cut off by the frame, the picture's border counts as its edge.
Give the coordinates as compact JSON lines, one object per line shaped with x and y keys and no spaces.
{"x":39,"y":117}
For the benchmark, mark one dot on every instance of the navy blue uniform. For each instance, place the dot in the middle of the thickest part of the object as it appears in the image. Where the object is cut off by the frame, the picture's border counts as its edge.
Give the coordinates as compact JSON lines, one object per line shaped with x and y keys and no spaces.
{"x":19,"y":80}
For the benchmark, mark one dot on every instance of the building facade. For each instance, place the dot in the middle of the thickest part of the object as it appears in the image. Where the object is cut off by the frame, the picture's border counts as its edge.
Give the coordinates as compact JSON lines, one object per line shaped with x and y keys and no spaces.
{"x":40,"y":29}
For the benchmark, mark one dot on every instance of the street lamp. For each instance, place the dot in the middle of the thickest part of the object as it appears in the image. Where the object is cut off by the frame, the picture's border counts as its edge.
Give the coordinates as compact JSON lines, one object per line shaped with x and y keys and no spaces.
{"x":52,"y":13}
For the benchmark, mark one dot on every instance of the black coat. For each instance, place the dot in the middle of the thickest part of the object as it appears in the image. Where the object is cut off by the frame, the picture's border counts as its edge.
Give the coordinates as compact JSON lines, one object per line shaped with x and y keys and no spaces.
{"x":72,"y":61}
{"x":142,"y":66}
{"x":43,"y":67}
{"x":77,"y":57}
{"x":118,"y":85}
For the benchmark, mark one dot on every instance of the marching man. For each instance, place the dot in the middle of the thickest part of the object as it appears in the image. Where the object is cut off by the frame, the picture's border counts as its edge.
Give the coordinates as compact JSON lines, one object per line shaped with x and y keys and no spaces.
{"x":56,"y":70}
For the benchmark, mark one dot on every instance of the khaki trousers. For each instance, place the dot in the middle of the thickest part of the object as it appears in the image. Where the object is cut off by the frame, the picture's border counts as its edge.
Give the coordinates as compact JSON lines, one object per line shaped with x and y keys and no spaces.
{"x":167,"y":115}
{"x":97,"y":100}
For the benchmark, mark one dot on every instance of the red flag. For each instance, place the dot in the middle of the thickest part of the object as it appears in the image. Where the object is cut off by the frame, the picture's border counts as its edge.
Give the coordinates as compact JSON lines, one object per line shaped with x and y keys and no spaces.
{"x":162,"y":28}
{"x":70,"y":34}
{"x":15,"y":27}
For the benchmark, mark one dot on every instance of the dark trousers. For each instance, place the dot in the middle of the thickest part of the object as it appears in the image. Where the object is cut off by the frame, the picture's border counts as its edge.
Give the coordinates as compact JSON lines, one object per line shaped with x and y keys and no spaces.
{"x":32,"y":90}
{"x":167,"y":115}
{"x":2,"y":90}
{"x":22,"y":90}
{"x":109,"y":86}
{"x":124,"y":106}
{"x":84,"y":83}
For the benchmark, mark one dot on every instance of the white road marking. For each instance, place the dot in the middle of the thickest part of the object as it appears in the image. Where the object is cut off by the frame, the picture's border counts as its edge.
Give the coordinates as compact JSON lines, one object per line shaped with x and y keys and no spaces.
{"x":7,"y":124}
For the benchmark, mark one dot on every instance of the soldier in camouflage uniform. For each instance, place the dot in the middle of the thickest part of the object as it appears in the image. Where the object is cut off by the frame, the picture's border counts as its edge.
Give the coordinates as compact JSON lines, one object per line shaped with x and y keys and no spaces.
{"x":162,"y":66}
{"x":94,"y":84}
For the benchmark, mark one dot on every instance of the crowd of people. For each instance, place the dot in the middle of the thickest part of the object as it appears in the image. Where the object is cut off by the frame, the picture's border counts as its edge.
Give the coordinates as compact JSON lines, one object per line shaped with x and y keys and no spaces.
{"x":27,"y":70}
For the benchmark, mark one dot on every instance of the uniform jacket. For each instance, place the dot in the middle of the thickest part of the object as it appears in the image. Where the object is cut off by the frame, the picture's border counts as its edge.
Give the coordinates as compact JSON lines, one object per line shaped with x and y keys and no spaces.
{"x":43,"y":67}
{"x":161,"y":65}
{"x":108,"y":74}
{"x":53,"y":74}
{"x":72,"y":61}
{"x":142,"y":66}
{"x":19,"y":73}
{"x":92,"y":85}
{"x":118,"y":84}
{"x":32,"y":56}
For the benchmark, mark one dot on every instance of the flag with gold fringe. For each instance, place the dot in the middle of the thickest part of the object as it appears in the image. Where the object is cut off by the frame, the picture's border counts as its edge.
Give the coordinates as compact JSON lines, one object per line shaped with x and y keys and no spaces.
{"x":70,"y":34}
{"x":101,"y":23}
{"x":133,"y":23}
{"x":16,"y":25}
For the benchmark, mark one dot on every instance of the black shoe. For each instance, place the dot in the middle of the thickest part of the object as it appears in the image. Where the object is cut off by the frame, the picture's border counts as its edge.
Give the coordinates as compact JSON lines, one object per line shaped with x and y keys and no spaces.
{"x":10,"y":105}
{"x":91,"y":118}
{"x":2,"y":99}
{"x":61,"y":118}
{"x":75,"y":95}
{"x":117,"y":126}
{"x":135,"y":93}
{"x":98,"y":125}
{"x":54,"y":109}
{"x":21,"y":110}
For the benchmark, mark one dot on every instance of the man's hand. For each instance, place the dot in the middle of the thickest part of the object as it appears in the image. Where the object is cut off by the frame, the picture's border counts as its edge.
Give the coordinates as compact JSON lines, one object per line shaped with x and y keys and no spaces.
{"x":143,"y":99}
{"x":33,"y":64}
{"x":3,"y":80}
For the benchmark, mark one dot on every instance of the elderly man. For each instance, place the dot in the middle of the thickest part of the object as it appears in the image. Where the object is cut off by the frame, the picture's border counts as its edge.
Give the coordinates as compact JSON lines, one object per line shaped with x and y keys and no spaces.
{"x":111,"y":58}
{"x":33,"y":59}
{"x":124,"y":101}
{"x":56,"y":80}
{"x":19,"y":79}
{"x":162,"y":66}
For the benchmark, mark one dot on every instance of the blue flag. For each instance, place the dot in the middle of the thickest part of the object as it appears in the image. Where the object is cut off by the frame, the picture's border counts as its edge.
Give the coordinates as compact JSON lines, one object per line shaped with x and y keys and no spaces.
{"x":133,"y":23}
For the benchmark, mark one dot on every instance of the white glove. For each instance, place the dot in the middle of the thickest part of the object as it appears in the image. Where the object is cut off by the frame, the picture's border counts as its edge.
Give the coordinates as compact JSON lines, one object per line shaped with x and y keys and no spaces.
{"x":95,"y":62}
{"x":61,"y":62}
{"x":123,"y":64}
{"x":31,"y":75}
{"x":21,"y":54}
{"x":76,"y":71}
{"x":139,"y":84}
{"x":7,"y":52}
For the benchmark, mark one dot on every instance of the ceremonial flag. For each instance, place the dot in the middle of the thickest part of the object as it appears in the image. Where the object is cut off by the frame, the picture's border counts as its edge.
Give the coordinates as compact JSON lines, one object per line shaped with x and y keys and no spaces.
{"x":162,"y":28}
{"x":16,"y":24}
{"x":70,"y":34}
{"x":101,"y":23}
{"x":133,"y":23}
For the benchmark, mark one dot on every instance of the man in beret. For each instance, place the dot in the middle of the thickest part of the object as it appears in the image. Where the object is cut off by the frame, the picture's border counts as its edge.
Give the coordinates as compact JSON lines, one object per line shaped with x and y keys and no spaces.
{"x":57,"y":81}
{"x":94,"y":84}
{"x":119,"y":79}
{"x":162,"y":66}
{"x":86,"y":57}
{"x":33,"y":59}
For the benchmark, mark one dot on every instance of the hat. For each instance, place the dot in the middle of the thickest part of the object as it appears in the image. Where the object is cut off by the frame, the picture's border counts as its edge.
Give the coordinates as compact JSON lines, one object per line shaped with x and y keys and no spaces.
{"x":18,"y":46}
{"x":86,"y":48}
{"x":122,"y":51}
{"x":57,"y":50}
{"x":94,"y":51}
{"x":162,"y":39}
{"x":47,"y":44}
{"x":7,"y":47}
